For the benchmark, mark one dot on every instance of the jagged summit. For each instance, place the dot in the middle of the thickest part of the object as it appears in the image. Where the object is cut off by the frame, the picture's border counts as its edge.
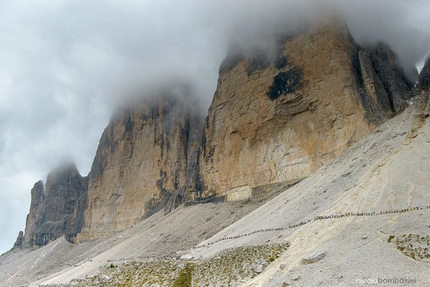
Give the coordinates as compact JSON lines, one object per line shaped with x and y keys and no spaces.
{"x":57,"y":208}
{"x":276,"y":117}
{"x":319,"y":120}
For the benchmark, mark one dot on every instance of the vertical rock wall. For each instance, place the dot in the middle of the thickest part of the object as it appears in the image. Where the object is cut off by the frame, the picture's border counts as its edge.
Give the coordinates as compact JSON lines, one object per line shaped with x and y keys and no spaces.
{"x":57,"y":209}
{"x":395,"y":83}
{"x":35,"y":214}
{"x":141,"y":162}
{"x":424,"y":78}
{"x":274,"y":121}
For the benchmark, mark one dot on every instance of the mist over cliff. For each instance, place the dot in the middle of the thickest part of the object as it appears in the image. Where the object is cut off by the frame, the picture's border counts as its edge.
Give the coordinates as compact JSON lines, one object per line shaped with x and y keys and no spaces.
{"x":70,"y":63}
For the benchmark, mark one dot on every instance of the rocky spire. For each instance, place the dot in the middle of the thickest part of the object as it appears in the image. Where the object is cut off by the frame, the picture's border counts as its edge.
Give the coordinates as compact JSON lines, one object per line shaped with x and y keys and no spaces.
{"x":19,"y":240}
{"x":35,"y":214}
{"x":57,"y":210}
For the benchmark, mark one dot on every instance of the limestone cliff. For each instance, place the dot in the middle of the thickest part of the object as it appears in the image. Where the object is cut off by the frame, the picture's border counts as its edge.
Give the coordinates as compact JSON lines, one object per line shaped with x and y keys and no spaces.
{"x":143,"y":160}
{"x":33,"y":217}
{"x":57,"y":209}
{"x":424,"y":78}
{"x":275,"y":118}
{"x":394,"y":81}
{"x":423,"y":84}
{"x":275,"y":121}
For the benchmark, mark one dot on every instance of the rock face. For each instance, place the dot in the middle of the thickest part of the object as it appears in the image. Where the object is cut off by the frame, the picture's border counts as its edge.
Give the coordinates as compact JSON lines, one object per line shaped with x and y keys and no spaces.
{"x":142,"y":164}
{"x":57,"y":211}
{"x":19,"y":240}
{"x":35,"y":214}
{"x":424,"y":78}
{"x":277,"y":120}
{"x":424,"y":84}
{"x":395,"y":83}
{"x":310,"y":259}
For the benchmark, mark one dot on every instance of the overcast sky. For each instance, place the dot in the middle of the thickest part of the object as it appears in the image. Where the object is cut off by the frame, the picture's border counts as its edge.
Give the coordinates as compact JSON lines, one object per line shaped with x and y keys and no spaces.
{"x":65,"y":65}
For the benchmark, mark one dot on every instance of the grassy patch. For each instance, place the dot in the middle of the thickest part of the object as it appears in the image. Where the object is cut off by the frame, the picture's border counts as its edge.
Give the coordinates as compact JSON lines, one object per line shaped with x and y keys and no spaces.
{"x":185,"y":276}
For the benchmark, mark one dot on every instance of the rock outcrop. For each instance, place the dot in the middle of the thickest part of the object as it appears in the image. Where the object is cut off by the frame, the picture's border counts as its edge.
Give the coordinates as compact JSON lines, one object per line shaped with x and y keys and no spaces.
{"x":35,"y":214}
{"x":423,"y":85}
{"x":395,"y":83}
{"x":424,"y":77}
{"x":277,"y":120}
{"x":58,"y":209}
{"x":19,"y":241}
{"x":142,"y":164}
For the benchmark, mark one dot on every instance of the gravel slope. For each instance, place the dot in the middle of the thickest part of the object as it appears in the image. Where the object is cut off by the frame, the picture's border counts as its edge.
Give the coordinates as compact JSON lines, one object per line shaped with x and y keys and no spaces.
{"x":387,"y":170}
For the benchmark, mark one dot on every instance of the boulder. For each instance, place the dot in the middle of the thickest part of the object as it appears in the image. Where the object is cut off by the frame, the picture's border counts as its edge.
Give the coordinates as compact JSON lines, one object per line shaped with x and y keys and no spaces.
{"x":315,"y":257}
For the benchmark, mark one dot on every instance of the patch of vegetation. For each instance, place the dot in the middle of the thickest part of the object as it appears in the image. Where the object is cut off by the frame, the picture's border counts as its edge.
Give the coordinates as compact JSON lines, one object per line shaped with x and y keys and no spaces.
{"x":231,"y":266}
{"x":227,"y":268}
{"x":414,"y":246}
{"x":185,"y":276}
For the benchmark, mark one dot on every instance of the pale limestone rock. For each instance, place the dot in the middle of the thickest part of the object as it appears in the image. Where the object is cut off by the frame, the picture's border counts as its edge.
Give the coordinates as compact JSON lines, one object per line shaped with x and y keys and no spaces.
{"x":187,"y":256}
{"x":279,"y":122}
{"x":141,"y":162}
{"x":314,"y":257}
{"x":273,"y":121}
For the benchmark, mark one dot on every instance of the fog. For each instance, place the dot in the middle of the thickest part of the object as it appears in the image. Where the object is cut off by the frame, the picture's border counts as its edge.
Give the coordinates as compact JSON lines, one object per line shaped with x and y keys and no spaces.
{"x":65,"y":65}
